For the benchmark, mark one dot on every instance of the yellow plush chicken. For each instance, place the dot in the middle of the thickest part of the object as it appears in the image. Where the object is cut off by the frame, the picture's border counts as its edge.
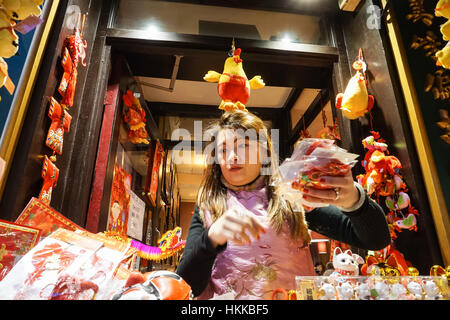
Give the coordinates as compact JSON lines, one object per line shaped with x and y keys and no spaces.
{"x":355,"y":102}
{"x":443,"y":57}
{"x":233,"y":86}
{"x":442,"y":9}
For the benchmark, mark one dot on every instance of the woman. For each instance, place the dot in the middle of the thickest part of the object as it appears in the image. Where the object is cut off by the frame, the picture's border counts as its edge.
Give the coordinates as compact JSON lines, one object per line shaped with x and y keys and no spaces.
{"x":245,"y":238}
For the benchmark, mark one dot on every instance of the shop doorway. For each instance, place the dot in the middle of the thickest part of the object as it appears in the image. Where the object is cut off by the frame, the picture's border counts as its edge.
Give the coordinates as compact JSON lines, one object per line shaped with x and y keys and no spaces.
{"x":168,"y":80}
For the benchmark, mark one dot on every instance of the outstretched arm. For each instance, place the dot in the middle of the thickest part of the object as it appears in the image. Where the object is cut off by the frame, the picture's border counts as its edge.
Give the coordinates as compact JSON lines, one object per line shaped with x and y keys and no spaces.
{"x":365,"y":227}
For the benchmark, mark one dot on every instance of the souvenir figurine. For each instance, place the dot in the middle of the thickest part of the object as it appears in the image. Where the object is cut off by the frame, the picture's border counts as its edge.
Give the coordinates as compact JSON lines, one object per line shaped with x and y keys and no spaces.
{"x":346,"y":263}
{"x":388,"y":267}
{"x":443,"y":56}
{"x":9,"y":41}
{"x":20,"y":10}
{"x":380,"y":291}
{"x":431,"y":290}
{"x":398,"y":291}
{"x":415,"y":289}
{"x":327,"y":291}
{"x":445,"y":30}
{"x":442,"y":9}
{"x":233,"y":86}
{"x":345,"y":291}
{"x":355,"y":102}
{"x":363,"y":291}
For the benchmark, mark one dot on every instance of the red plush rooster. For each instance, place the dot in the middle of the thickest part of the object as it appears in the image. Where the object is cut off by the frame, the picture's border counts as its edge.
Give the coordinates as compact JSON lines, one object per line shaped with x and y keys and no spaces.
{"x":233,"y":85}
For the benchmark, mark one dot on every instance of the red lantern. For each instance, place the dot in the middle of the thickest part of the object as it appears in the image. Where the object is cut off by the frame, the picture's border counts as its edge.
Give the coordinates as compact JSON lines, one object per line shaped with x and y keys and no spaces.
{"x":322,"y":247}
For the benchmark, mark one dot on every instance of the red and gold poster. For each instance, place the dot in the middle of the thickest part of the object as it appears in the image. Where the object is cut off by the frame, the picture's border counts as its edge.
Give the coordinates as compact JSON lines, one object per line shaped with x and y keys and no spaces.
{"x":15,"y":241}
{"x":120,"y":201}
{"x":159,"y":156}
{"x":38,"y":215}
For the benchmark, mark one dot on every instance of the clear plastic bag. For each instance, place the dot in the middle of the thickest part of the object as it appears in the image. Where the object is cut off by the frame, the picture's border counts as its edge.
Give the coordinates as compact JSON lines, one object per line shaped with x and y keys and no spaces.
{"x":311,"y":160}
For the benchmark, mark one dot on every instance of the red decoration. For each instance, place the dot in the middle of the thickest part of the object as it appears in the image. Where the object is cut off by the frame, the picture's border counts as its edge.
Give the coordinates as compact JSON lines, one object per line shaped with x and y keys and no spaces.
{"x":60,"y":124}
{"x":383,"y":179}
{"x":50,"y":174}
{"x":120,"y":201}
{"x":15,"y":241}
{"x":39,"y":215}
{"x":134,"y":116}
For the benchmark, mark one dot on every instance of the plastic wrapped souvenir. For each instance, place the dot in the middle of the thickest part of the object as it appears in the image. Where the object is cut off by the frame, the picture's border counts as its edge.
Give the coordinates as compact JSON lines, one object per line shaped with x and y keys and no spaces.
{"x":312,"y":159}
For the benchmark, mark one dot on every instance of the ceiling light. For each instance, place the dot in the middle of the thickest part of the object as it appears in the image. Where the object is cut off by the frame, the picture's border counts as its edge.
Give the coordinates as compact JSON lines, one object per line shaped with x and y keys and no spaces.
{"x":153,"y":28}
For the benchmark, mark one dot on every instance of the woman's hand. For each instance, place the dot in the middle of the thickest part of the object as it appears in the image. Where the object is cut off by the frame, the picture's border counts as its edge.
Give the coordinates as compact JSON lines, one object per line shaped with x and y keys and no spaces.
{"x":235,"y":226}
{"x":342,"y":192}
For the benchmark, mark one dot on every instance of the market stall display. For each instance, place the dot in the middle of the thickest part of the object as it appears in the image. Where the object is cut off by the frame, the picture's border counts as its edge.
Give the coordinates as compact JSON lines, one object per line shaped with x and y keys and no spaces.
{"x":372,"y":288}
{"x":15,"y":241}
{"x":70,"y":265}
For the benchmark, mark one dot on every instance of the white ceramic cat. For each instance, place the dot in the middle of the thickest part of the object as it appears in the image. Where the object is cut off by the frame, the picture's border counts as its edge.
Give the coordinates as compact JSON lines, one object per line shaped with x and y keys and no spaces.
{"x":345,"y":291}
{"x":329,"y":293}
{"x":431,"y":291}
{"x":346,"y":263}
{"x":382,"y":290}
{"x":363,"y":291}
{"x":415,"y":289}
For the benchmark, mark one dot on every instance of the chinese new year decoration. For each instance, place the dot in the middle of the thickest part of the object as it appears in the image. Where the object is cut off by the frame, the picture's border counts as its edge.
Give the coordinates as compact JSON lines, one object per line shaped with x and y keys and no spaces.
{"x":233,"y":86}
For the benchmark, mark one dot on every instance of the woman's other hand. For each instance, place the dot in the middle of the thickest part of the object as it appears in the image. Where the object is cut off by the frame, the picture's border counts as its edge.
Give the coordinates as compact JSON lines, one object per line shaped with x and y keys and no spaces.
{"x":237,"y":226}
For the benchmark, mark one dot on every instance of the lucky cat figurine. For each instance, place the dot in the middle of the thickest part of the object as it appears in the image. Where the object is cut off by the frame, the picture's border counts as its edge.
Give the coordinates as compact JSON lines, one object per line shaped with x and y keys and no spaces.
{"x":431,"y":291}
{"x":363,"y":291}
{"x":345,"y":291}
{"x":346,"y":263}
{"x":327,"y":291}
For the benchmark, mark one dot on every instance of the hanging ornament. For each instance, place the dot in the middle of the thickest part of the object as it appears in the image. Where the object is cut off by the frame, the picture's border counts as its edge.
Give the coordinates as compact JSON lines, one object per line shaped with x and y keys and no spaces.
{"x":60,"y":124}
{"x":355,"y":102}
{"x":383,"y":179}
{"x":50,"y":174}
{"x":233,"y":86}
{"x":134,"y":116}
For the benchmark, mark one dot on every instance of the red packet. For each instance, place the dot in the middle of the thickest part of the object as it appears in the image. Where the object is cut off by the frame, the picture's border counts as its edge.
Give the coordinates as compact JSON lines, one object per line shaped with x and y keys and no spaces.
{"x":38,"y":215}
{"x":15,"y":241}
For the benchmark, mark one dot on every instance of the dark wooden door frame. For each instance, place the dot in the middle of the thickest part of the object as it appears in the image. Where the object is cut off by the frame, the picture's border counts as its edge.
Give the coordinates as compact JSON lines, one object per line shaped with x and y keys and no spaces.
{"x":390,"y":119}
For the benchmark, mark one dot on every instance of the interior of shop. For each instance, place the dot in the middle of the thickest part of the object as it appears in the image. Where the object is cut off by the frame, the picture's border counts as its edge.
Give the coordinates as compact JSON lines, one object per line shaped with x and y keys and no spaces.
{"x":176,"y":97}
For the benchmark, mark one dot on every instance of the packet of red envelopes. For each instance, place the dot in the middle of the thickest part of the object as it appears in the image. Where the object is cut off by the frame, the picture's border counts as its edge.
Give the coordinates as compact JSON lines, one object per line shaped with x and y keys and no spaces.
{"x":311,"y":160}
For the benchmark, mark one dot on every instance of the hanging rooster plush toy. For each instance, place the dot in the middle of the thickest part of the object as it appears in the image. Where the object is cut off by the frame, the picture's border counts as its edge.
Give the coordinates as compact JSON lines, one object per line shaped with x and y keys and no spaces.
{"x":233,"y":86}
{"x":355,"y":102}
{"x":442,"y":9}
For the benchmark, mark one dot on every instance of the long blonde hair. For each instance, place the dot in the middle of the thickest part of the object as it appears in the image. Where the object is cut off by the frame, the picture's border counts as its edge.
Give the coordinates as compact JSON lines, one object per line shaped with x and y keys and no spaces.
{"x":213,"y":193}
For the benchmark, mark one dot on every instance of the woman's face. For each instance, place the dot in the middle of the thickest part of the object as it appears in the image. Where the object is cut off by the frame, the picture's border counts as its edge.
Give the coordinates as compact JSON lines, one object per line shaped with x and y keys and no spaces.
{"x":238,"y":157}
